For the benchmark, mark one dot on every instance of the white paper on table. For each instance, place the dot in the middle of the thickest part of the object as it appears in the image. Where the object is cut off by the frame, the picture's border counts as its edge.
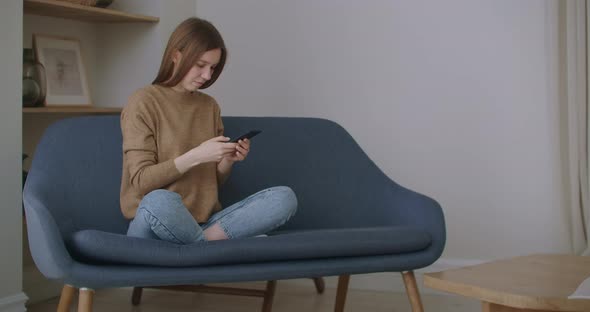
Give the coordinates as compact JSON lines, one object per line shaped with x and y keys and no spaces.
{"x":583,"y":291}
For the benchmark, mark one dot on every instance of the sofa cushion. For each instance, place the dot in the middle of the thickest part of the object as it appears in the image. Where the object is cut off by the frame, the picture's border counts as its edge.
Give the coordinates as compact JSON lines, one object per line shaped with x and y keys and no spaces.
{"x":103,"y":247}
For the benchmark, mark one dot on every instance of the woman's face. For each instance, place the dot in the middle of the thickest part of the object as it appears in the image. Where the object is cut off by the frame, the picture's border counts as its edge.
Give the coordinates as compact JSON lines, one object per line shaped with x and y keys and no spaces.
{"x":201,"y":72}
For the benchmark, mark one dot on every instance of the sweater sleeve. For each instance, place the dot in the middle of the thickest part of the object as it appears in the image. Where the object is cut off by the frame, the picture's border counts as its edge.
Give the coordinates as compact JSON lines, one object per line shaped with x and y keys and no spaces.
{"x":221,"y":177}
{"x":140,"y":154}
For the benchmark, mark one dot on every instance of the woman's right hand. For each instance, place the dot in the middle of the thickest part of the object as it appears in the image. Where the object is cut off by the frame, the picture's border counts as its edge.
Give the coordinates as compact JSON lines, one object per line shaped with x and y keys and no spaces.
{"x":212,"y":150}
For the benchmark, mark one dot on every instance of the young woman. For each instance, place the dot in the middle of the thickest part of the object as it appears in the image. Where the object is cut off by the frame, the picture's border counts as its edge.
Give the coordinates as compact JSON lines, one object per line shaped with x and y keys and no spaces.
{"x":175,"y":156}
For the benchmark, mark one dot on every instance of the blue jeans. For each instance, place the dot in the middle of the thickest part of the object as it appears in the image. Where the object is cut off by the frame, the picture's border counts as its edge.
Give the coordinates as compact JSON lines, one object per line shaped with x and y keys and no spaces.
{"x":162,"y":215}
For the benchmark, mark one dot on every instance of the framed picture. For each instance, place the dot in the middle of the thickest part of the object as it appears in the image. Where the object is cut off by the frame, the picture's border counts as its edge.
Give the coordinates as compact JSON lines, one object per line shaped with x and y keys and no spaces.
{"x":64,"y":70}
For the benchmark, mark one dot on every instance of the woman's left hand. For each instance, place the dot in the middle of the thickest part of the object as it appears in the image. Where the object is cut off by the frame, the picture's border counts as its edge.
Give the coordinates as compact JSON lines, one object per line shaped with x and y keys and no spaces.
{"x":242,"y":150}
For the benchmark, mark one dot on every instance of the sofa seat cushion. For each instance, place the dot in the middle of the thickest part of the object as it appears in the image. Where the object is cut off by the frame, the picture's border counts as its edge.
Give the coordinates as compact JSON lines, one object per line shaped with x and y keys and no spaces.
{"x":103,"y":247}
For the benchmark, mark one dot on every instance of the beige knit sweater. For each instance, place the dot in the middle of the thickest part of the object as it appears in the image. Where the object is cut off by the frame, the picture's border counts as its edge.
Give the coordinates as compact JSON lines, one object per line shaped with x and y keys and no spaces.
{"x":159,"y":124}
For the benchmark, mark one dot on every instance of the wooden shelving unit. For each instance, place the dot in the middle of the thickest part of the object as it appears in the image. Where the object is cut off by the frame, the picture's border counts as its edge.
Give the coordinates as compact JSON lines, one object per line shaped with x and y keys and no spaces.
{"x":83,"y":13}
{"x":74,"y":110}
{"x":71,"y":11}
{"x":37,"y":119}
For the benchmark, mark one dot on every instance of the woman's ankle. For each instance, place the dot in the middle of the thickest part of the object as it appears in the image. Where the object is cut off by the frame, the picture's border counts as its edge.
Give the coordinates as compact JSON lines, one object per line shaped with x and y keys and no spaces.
{"x":215,"y":232}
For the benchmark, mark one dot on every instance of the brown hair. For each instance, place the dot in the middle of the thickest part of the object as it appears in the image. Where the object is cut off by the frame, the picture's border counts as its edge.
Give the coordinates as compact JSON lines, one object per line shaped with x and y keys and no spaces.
{"x":192,"y":38}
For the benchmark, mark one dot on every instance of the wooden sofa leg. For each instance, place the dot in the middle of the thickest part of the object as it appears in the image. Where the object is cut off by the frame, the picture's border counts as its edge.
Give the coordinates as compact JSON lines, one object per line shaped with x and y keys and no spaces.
{"x":136,"y":296}
{"x":269,"y":296}
{"x":412,"y":290}
{"x":341,"y":292}
{"x":65,"y":300}
{"x":319,"y":284}
{"x":85,"y":300}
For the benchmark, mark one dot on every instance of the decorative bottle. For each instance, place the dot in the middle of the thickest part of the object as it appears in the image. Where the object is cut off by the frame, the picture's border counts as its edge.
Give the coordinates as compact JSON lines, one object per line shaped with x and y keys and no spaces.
{"x":34,"y":80}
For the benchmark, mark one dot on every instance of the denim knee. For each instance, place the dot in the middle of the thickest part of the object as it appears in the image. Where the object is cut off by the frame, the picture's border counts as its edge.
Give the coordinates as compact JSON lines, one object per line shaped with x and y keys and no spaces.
{"x":168,"y":218}
{"x":287,"y":198}
{"x":159,"y":199}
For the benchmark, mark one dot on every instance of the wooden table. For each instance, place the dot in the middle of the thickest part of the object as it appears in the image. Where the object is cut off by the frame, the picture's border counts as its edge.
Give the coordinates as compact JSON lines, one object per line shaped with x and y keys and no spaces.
{"x":524,"y":284}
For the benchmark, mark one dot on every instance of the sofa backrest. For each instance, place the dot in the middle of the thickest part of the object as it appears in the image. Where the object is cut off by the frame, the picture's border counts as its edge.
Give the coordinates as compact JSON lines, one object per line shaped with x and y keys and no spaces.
{"x":77,"y":166}
{"x":336,"y":183}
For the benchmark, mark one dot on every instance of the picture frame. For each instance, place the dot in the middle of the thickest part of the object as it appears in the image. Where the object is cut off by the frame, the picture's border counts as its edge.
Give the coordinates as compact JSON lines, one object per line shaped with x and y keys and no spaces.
{"x":67,"y":83}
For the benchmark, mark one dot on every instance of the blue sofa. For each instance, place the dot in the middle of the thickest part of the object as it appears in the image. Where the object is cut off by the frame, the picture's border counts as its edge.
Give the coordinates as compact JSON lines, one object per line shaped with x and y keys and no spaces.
{"x":351,"y":219}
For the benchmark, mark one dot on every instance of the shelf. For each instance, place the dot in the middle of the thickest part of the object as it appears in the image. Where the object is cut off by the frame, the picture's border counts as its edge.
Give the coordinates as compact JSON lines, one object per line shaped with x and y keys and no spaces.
{"x":83,"y":13}
{"x":72,"y":110}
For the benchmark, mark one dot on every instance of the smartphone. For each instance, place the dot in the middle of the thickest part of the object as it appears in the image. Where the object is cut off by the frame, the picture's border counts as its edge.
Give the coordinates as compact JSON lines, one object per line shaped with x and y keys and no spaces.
{"x":248,"y":136}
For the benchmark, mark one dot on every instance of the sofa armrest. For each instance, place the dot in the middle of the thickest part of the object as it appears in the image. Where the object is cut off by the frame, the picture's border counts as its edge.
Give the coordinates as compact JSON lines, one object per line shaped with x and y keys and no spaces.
{"x":410,"y":208}
{"x":45,"y":240}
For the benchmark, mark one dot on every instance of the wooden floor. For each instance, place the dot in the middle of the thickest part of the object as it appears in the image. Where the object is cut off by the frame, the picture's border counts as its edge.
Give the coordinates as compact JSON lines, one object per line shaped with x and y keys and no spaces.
{"x":288,"y":298}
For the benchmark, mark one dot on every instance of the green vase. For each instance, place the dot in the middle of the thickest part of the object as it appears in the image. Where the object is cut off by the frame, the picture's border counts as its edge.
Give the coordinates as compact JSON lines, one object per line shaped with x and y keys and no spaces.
{"x":103,"y":3}
{"x":34,"y":83}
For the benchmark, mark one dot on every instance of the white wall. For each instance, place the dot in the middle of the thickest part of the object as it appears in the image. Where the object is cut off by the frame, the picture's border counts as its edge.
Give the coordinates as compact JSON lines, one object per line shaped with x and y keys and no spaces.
{"x":11,"y":296}
{"x":456,"y":99}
